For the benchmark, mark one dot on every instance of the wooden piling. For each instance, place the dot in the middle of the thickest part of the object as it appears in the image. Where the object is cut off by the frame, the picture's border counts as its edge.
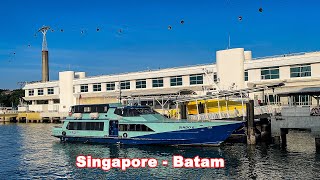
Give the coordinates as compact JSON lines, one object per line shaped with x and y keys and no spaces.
{"x":283,"y":136}
{"x":251,"y":137}
{"x":317,"y":140}
{"x":183,"y":110}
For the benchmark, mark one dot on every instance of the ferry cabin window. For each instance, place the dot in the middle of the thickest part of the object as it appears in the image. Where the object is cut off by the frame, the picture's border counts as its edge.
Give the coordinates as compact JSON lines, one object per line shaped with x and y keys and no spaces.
{"x":40,"y":92}
{"x":125,"y":85}
{"x":300,"y":71}
{"x":134,"y":127}
{"x":87,"y":109}
{"x":196,"y":79}
{"x":96,"y":87}
{"x":84,"y":88}
{"x":176,"y":81}
{"x":99,"y":108}
{"x":128,"y":112}
{"x":31,"y":92}
{"x":270,"y":73}
{"x":142,"y":83}
{"x":50,"y":91}
{"x":157,"y":82}
{"x":110,"y":86}
{"x":89,"y":126}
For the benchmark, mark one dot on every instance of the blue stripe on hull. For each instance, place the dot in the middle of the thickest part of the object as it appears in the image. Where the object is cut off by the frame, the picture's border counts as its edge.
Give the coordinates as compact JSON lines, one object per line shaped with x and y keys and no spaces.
{"x":200,"y":136}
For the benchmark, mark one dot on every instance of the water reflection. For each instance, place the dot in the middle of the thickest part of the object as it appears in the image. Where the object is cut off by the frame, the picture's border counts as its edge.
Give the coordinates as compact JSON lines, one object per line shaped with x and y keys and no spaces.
{"x":70,"y":151}
{"x":29,"y":151}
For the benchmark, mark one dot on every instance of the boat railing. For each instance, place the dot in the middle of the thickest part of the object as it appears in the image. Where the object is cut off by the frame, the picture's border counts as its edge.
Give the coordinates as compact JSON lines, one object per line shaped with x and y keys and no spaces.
{"x":9,"y":112}
{"x":258,"y":110}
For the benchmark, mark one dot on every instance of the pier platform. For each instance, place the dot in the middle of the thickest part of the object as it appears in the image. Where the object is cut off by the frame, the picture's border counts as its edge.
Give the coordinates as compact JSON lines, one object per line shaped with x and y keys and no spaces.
{"x":297,"y":118}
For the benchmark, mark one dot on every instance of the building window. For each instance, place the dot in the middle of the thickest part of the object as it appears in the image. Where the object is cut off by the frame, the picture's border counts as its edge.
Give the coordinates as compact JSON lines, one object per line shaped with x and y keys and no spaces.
{"x":42,"y":102}
{"x":273,"y":99}
{"x":246,"y":76}
{"x":125,"y":85}
{"x":40,"y":92}
{"x":50,"y":91}
{"x":302,"y":100}
{"x":84,"y":88}
{"x":176,"y":81}
{"x":270,"y":73}
{"x":196,"y":79}
{"x":158,"y":82}
{"x":111,"y":86}
{"x":142,"y":83}
{"x":215,"y":77}
{"x":300,"y":71}
{"x":56,"y":101}
{"x":96,"y":87}
{"x":31,"y":92}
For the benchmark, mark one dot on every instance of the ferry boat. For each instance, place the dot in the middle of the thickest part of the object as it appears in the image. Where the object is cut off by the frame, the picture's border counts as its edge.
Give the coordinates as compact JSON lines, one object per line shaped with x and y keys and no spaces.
{"x":137,"y":125}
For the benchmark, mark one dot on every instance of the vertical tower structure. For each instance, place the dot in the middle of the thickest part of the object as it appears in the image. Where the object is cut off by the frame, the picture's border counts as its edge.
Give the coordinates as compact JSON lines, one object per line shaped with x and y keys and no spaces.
{"x":230,"y":68}
{"x":45,"y":54}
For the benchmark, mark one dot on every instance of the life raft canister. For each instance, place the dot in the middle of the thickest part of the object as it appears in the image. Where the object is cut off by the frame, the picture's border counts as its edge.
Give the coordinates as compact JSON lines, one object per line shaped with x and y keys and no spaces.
{"x":125,"y":135}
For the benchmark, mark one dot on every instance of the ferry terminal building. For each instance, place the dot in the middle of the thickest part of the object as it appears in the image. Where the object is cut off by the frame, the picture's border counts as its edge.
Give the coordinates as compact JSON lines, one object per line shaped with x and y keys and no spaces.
{"x":234,"y":69}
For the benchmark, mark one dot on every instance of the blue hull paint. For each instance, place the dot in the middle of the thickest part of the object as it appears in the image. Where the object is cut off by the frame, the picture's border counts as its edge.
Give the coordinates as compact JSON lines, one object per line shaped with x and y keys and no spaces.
{"x":201,"y":136}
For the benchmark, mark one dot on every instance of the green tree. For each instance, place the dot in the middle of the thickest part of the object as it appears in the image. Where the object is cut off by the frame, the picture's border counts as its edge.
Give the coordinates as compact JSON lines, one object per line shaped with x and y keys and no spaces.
{"x":12,"y":98}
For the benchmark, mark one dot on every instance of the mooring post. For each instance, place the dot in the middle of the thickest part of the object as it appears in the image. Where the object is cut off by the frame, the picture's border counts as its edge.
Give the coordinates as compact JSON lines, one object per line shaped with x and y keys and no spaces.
{"x":283,"y":136}
{"x":251,"y":137}
{"x":317,"y":139}
{"x":183,"y":110}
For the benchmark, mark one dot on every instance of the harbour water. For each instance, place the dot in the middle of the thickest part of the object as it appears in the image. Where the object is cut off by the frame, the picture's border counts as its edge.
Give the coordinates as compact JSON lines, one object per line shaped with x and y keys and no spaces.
{"x":28,"y":151}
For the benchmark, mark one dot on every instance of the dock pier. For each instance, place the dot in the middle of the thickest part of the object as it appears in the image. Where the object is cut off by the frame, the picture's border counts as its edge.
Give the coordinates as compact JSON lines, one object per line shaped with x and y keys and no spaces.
{"x":296,"y":118}
{"x":31,"y":117}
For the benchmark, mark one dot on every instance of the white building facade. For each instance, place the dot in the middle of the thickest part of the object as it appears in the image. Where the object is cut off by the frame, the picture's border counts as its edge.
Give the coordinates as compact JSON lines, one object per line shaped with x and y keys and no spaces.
{"x":234,"y":69}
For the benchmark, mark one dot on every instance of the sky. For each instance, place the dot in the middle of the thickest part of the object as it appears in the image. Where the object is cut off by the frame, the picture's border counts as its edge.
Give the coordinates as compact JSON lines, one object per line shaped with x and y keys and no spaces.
{"x":145,"y":42}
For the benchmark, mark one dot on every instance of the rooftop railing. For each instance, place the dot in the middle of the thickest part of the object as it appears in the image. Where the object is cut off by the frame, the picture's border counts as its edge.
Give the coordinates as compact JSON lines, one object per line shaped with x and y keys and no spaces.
{"x":285,"y":55}
{"x":151,"y":70}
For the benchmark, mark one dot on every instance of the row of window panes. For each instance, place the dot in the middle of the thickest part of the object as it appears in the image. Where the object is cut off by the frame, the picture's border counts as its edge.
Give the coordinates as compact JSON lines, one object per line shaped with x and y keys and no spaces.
{"x":125,"y":85}
{"x":300,"y":71}
{"x":96,"y":87}
{"x":176,"y":81}
{"x":270,"y":73}
{"x":302,"y":100}
{"x":90,"y":126}
{"x":196,"y":79}
{"x":299,"y":100}
{"x":142,"y":83}
{"x":134,"y":127}
{"x":158,"y":82}
{"x":41,"y":92}
{"x":295,"y":71}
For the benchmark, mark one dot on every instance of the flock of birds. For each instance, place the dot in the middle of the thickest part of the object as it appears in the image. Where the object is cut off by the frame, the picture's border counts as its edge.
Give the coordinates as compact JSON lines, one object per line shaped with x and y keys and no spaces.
{"x":120,"y":31}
